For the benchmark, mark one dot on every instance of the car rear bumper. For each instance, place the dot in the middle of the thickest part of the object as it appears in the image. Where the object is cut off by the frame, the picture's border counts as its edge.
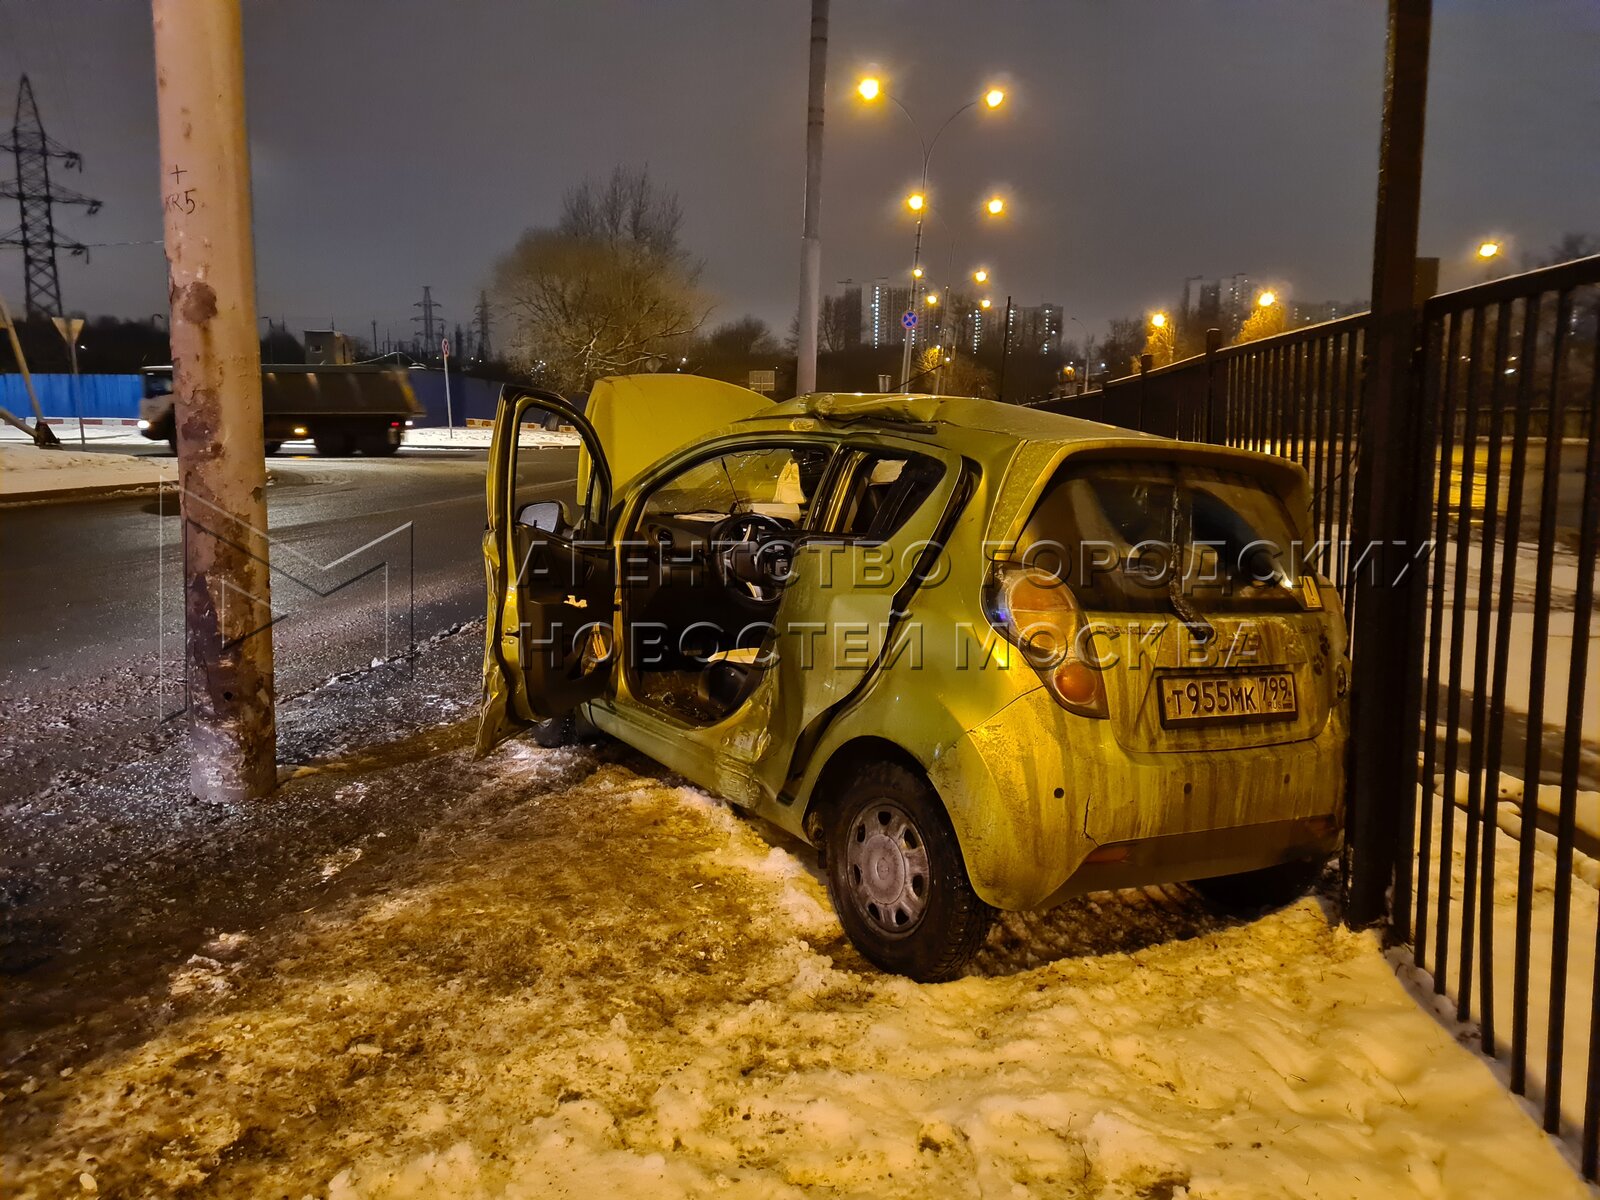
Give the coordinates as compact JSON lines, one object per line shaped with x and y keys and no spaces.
{"x":1035,"y":794}
{"x":1178,"y":857}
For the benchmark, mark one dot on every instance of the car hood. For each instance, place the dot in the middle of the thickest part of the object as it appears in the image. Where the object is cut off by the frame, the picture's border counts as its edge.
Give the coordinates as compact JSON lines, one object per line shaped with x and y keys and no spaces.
{"x":640,"y":419}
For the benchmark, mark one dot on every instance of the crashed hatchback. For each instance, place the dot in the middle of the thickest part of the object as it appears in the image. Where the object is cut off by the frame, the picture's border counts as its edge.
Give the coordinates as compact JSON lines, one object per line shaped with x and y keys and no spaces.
{"x":981,"y":657}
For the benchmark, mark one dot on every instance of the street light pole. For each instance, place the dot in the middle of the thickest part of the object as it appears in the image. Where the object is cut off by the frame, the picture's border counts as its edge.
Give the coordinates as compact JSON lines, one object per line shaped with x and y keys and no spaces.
{"x":871,"y":89}
{"x":1005,"y":353}
{"x":216,"y":357}
{"x":811,"y":240}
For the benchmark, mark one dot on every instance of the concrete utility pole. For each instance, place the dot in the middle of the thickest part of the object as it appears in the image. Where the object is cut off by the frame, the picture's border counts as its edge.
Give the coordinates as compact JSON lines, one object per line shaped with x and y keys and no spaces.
{"x":205,"y":178}
{"x":811,"y":240}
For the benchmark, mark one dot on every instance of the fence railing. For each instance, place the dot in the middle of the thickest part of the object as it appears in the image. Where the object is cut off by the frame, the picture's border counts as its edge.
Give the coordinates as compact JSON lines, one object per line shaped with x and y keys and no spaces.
{"x":1496,"y":866}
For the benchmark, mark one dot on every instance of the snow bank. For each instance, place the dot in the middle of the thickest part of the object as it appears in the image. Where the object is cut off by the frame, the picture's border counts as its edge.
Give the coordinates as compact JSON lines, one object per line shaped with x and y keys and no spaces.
{"x":26,"y":469}
{"x":478,"y":438}
{"x":619,"y":987}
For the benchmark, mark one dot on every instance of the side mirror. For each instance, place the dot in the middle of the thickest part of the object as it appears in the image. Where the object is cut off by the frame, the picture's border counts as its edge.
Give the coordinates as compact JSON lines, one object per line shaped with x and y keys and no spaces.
{"x":547,"y":516}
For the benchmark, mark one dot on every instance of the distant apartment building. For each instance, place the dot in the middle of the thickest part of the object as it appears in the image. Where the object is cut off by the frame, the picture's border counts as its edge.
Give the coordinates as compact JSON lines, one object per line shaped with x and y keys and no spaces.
{"x":845,"y":317}
{"x":1037,"y":330}
{"x":885,"y":307}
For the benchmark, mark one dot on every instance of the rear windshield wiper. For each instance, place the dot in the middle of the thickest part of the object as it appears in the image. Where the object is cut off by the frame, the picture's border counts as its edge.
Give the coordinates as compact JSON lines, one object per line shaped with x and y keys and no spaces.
{"x":1193,"y":620}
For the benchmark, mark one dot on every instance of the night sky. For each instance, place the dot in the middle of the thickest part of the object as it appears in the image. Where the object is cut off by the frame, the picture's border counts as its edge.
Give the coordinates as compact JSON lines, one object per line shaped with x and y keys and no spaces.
{"x":406,"y":143}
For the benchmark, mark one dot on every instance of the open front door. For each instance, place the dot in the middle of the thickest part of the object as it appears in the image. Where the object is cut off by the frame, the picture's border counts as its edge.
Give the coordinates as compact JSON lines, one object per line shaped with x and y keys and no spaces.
{"x":550,"y":565}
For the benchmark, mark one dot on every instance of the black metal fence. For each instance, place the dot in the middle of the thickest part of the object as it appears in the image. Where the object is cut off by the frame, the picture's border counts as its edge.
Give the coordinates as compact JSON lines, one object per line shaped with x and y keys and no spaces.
{"x":1495,"y":868}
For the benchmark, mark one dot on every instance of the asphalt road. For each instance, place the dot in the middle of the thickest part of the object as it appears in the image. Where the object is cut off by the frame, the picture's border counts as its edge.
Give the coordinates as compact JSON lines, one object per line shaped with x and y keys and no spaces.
{"x":366,"y":553}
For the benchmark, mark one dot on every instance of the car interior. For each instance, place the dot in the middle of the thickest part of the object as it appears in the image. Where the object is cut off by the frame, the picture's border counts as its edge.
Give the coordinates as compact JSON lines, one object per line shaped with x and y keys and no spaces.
{"x":705,"y":568}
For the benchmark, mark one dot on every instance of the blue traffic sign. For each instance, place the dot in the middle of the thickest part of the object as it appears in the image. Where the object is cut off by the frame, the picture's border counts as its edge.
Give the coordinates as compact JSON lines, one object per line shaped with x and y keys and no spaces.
{"x":909,"y":320}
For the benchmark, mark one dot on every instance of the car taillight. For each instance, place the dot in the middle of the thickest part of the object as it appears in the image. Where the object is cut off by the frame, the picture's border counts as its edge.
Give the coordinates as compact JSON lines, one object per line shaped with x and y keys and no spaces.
{"x":1038,"y":614}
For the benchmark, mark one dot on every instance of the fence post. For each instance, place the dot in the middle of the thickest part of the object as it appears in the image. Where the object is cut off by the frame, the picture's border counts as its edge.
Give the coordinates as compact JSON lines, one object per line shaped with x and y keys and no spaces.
{"x":1145,"y":362}
{"x":1213,"y":344}
{"x":1383,"y":747}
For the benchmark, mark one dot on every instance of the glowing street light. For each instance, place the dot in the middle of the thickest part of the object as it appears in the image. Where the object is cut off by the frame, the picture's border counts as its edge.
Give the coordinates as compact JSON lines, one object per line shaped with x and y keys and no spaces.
{"x":869,"y":88}
{"x":985,"y":302}
{"x":1159,"y":320}
{"x":1267,"y":299}
{"x":916,"y":272}
{"x":1488,"y":250}
{"x":931,"y":299}
{"x":994,"y":97}
{"x":916,"y":202}
{"x":981,"y":275}
{"x":996,"y":206}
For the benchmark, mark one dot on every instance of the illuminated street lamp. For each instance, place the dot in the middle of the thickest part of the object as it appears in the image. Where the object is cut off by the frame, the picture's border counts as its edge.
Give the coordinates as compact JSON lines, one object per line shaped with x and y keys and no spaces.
{"x":1487,"y":250}
{"x":1158,"y":320}
{"x":1267,"y":299}
{"x":995,"y":206}
{"x":985,"y":303}
{"x":931,"y":299}
{"x":871,"y":90}
{"x":981,"y":275}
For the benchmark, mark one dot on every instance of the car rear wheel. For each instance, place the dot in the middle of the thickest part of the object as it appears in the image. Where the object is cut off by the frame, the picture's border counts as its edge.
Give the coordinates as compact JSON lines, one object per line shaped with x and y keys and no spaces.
{"x":378,"y":445}
{"x":333,"y":445}
{"x":1252,"y":892}
{"x":896,"y":876}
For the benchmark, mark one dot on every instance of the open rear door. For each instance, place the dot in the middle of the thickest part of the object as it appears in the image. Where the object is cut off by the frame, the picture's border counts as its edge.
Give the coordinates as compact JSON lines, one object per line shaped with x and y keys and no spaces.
{"x":550,"y":566}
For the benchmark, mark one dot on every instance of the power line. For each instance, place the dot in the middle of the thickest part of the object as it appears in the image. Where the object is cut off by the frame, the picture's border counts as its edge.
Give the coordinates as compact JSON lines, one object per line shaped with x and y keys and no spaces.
{"x":36,"y":196}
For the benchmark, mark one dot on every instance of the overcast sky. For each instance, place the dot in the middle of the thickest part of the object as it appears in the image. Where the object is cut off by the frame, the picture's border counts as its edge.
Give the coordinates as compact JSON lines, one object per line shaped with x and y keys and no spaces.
{"x":408,"y":143}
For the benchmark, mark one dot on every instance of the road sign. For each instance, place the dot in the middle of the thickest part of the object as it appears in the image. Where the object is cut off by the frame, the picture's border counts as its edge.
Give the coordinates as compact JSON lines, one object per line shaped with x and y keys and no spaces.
{"x":909,"y":319}
{"x":444,"y":345}
{"x":763,"y":381}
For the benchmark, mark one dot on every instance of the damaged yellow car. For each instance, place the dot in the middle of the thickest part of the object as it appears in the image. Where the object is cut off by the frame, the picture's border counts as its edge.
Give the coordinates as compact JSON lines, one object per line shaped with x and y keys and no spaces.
{"x":981,"y":657}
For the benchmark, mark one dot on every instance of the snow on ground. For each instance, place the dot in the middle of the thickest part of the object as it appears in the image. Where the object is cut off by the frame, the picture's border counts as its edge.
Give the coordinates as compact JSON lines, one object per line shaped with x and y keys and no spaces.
{"x":597,"y":983}
{"x":27,"y":470}
{"x":67,"y":430}
{"x":478,"y":438}
{"x":1577,"y":979}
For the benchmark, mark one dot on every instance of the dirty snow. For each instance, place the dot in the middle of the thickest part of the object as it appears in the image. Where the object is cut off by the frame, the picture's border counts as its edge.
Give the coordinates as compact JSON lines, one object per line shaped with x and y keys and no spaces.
{"x":27,"y":470}
{"x":1578,"y":978}
{"x":586,"y":980}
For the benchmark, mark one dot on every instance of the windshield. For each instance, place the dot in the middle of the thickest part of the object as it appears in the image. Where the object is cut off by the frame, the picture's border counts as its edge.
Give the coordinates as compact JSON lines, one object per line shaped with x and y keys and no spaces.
{"x":1124,"y":536}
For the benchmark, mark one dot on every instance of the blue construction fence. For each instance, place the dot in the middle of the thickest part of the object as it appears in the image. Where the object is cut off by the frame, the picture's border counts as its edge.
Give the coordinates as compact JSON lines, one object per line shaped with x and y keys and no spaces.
{"x":94,"y":396}
{"x":471,"y":399}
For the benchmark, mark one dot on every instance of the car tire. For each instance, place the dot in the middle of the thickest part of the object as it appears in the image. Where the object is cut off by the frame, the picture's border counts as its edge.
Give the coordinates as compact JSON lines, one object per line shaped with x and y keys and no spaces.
{"x":573,"y":729}
{"x":332,"y":445}
{"x":378,"y":445}
{"x":554,"y":733}
{"x":1252,"y":892}
{"x":897,"y":879}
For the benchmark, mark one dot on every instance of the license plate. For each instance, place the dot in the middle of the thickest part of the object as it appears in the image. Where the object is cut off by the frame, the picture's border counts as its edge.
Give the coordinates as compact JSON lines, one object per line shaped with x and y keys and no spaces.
{"x":1260,"y":696}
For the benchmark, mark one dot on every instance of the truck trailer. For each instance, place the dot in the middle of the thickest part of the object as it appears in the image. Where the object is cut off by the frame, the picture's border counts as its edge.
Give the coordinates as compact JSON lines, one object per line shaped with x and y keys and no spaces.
{"x":342,"y":409}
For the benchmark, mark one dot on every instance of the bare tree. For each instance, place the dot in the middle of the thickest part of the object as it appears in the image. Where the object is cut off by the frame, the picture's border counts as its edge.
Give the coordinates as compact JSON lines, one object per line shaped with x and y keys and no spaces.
{"x":607,"y":290}
{"x":834,"y":332}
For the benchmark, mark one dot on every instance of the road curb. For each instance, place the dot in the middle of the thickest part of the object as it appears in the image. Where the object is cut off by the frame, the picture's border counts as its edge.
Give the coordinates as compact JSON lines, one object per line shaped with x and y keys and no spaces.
{"x":104,"y":491}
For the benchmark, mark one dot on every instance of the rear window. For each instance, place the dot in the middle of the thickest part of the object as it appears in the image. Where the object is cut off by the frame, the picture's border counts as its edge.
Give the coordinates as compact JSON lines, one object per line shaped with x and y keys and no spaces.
{"x":1122,"y":535}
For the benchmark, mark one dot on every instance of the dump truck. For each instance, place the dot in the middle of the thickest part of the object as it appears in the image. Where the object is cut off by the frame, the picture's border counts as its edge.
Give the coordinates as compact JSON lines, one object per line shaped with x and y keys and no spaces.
{"x":342,"y":409}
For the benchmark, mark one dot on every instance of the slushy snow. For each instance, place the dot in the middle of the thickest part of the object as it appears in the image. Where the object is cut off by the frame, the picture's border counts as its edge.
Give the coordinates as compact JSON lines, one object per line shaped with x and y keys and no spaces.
{"x":605,"y":985}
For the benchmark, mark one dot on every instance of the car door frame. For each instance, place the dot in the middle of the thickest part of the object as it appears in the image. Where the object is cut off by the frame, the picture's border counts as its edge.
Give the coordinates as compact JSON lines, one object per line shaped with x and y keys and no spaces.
{"x":522,"y":686}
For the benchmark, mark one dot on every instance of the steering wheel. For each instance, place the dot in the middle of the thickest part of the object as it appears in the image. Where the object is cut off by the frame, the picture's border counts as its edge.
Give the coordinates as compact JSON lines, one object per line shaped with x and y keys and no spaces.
{"x":744,"y":546}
